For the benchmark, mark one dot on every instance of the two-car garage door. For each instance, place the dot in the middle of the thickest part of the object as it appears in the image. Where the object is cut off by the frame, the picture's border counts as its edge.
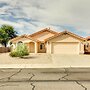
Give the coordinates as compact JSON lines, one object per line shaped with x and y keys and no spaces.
{"x":65,"y":48}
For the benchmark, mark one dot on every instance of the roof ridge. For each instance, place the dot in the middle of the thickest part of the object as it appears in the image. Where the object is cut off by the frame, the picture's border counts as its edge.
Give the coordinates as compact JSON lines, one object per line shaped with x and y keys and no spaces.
{"x":45,"y":29}
{"x":74,"y":34}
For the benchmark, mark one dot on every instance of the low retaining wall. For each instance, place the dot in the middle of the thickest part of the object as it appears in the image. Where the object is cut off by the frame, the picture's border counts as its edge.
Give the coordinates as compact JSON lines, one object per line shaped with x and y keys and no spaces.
{"x":4,"y":49}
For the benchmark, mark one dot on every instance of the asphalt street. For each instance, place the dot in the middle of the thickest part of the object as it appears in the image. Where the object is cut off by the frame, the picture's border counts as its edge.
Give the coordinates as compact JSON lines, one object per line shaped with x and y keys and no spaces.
{"x":45,"y":79}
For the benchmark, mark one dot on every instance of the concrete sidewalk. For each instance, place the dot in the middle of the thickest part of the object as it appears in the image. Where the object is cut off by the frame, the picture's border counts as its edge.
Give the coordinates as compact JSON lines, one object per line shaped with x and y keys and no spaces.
{"x":45,"y":61}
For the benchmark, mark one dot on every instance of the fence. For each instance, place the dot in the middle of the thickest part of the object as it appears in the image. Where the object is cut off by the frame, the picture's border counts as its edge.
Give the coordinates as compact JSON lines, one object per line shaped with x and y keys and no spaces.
{"x":4,"y":49}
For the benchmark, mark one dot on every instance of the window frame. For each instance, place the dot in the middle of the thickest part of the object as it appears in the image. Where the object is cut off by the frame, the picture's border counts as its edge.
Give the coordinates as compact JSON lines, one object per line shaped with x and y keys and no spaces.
{"x":41,"y":46}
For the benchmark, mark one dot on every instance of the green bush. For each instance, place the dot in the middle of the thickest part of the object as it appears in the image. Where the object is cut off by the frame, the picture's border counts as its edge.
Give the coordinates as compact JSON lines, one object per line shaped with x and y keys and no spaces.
{"x":20,"y":51}
{"x":13,"y":54}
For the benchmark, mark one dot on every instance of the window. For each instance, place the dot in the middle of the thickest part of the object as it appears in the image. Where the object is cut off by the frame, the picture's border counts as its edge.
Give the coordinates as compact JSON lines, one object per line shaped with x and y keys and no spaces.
{"x":20,"y":42}
{"x":41,"y":45}
{"x":87,"y":44}
{"x":10,"y":43}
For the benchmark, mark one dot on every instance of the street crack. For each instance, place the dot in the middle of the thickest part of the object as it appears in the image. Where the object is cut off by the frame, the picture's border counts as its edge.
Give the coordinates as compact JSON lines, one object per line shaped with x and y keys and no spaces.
{"x":81,"y":85}
{"x":67,"y":74}
{"x":31,"y":76}
{"x":14,"y":74}
{"x":9,"y":77}
{"x":33,"y":86}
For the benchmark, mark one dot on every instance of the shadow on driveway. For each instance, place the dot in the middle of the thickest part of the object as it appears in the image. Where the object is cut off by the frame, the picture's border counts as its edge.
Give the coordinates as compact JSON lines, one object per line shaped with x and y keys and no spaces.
{"x":29,"y":57}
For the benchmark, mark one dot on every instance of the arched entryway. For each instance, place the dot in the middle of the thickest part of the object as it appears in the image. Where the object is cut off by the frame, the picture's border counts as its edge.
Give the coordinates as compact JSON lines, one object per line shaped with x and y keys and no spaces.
{"x":32,"y":47}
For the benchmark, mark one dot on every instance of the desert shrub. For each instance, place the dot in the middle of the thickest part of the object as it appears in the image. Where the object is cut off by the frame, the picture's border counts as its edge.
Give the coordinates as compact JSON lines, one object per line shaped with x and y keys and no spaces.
{"x":20,"y":51}
{"x":13,"y":54}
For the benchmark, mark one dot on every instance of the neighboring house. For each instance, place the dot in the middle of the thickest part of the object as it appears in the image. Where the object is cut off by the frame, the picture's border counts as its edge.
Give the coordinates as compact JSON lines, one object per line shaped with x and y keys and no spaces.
{"x":48,"y":41}
{"x":87,"y":48}
{"x":88,"y":40}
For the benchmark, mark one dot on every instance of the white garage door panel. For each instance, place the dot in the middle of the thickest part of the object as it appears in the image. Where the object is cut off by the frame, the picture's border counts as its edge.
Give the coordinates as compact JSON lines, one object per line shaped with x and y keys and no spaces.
{"x":65,"y":48}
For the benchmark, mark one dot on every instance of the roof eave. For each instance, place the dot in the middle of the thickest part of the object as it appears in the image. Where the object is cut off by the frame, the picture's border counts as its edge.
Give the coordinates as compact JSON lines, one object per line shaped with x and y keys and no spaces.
{"x":81,"y":38}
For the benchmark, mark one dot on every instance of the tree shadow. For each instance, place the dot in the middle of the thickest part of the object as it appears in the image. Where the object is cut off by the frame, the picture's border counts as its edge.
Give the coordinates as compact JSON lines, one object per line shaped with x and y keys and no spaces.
{"x":28,"y":57}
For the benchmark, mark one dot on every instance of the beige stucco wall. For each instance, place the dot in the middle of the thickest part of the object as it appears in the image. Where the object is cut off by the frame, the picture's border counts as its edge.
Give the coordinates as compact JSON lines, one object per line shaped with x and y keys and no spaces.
{"x":66,"y":39}
{"x":81,"y":48}
{"x":43,"y":36}
{"x":88,"y":42}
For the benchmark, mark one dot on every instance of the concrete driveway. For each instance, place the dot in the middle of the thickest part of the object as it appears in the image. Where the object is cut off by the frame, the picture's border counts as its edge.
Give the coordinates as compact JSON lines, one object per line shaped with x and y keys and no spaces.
{"x":31,"y":59}
{"x":71,"y":60}
{"x":45,"y":61}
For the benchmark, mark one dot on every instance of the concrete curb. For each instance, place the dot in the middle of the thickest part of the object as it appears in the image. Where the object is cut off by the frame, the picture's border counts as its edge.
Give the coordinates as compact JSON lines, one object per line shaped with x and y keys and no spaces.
{"x":39,"y":66}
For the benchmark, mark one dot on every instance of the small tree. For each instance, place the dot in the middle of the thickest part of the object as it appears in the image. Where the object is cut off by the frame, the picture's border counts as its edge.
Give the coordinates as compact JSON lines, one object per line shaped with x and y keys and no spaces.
{"x":7,"y":32}
{"x":3,"y":37}
{"x":20,"y":51}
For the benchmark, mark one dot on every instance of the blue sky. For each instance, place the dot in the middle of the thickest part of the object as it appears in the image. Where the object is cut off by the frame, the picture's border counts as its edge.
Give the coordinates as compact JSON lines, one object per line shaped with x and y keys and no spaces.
{"x":29,"y":16}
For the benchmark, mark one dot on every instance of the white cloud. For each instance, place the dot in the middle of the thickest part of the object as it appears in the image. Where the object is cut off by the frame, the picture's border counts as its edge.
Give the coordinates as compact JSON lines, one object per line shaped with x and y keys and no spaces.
{"x":72,"y":12}
{"x":32,"y":27}
{"x":60,"y":12}
{"x":16,"y":25}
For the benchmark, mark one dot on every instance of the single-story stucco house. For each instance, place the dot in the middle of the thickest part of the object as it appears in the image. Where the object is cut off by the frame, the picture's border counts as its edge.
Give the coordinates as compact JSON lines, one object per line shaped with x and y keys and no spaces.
{"x":52,"y":42}
{"x":87,"y":49}
{"x":88,"y":40}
